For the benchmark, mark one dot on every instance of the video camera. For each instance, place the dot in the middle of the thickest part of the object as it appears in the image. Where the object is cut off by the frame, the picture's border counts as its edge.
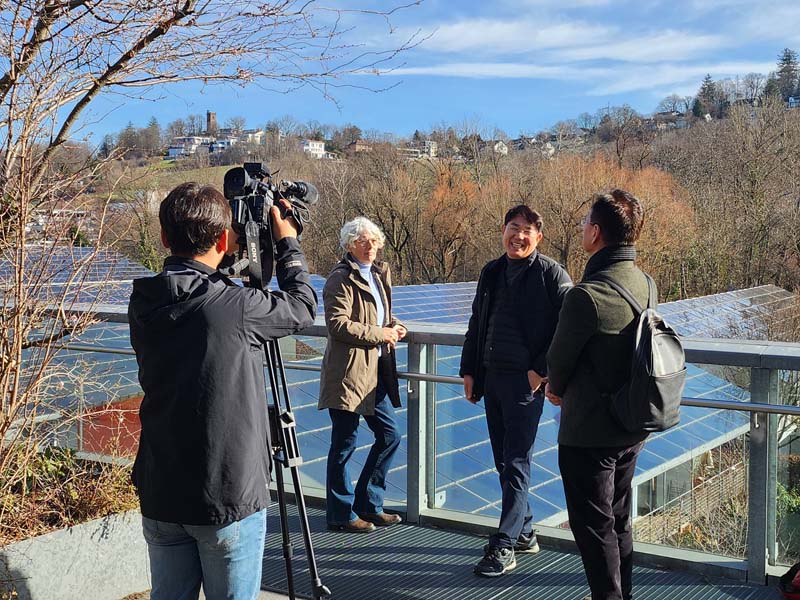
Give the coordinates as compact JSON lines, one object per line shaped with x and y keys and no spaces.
{"x":251,"y":191}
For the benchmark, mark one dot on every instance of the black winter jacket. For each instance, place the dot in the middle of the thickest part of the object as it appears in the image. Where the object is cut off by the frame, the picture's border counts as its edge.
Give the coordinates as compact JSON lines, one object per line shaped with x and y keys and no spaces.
{"x":204,"y":456}
{"x":538,"y":294}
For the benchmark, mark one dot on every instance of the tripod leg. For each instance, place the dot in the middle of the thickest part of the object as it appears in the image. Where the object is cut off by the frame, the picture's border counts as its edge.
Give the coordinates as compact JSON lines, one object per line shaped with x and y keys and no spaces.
{"x":320,"y":590}
{"x":278,"y":459}
{"x":290,"y":446}
{"x":288,"y":549}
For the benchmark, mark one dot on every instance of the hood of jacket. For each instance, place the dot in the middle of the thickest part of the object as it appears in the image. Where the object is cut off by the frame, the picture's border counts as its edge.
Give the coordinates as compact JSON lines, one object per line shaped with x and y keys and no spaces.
{"x":168,"y":298}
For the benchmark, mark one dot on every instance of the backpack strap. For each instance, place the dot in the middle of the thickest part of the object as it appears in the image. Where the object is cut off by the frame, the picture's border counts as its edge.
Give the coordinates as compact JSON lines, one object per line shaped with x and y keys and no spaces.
{"x":652,"y":300}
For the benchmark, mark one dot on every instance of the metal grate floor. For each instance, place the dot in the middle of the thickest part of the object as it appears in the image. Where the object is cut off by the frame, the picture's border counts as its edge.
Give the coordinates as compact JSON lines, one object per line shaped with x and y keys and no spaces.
{"x":406,"y":562}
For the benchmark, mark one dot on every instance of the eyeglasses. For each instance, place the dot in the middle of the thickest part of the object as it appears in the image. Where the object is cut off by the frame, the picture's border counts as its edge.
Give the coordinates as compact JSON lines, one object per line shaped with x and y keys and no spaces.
{"x":369,"y":242}
{"x":586,"y":220}
{"x":526,"y":231}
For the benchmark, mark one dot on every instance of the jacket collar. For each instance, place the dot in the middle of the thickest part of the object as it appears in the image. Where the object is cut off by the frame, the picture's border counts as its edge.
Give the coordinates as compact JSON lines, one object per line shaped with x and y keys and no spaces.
{"x":501,"y":262}
{"x":355,"y":265}
{"x":350,"y":263}
{"x":187,"y":263}
{"x":608,"y":256}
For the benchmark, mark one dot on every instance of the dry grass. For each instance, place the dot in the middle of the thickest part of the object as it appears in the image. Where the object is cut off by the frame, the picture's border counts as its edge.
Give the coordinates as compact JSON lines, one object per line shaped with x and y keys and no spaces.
{"x":53,"y":489}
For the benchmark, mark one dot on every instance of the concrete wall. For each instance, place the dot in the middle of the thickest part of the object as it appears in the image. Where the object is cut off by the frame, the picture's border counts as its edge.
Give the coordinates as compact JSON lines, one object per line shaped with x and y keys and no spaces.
{"x":104,"y":559}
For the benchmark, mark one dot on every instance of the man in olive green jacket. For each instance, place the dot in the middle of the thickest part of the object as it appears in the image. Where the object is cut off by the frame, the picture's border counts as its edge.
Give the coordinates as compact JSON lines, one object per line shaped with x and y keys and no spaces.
{"x":589,"y":359}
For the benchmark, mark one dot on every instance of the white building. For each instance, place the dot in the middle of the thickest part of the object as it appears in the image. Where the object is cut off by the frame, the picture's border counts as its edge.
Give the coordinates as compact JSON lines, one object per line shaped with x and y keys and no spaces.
{"x":315,"y":148}
{"x":254,"y":136}
{"x":430,"y":148}
{"x":221,"y":145}
{"x":410,"y":153}
{"x":187,"y":145}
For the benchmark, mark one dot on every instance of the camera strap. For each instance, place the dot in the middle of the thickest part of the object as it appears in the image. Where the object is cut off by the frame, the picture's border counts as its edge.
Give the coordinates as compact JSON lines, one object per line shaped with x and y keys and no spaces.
{"x":254,"y":255}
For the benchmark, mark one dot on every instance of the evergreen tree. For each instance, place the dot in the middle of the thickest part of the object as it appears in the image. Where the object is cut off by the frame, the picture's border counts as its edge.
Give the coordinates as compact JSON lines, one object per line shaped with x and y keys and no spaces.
{"x":706,"y":100}
{"x":771,"y":88}
{"x":107,"y":146}
{"x":151,"y":137}
{"x":787,"y":73}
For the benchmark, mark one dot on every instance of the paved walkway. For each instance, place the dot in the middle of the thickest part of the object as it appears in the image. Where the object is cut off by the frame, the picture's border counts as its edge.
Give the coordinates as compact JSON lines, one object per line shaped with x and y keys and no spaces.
{"x":405,"y":562}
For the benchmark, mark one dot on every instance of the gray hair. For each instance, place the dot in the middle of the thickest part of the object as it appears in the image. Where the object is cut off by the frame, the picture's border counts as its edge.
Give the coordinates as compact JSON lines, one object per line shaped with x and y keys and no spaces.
{"x":352,"y":230}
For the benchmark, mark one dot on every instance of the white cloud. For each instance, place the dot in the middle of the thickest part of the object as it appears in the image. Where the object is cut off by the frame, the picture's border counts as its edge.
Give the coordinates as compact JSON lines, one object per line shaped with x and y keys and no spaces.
{"x":510,"y":70}
{"x":562,"y":5}
{"x":775,"y":23}
{"x":492,"y":36}
{"x":676,"y":76}
{"x":661,"y":46}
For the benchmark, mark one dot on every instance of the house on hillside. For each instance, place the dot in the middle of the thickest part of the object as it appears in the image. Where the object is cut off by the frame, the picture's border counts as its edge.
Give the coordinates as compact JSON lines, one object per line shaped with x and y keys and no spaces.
{"x":314,"y":148}
{"x":523,"y":143}
{"x":493,"y":147}
{"x":188,"y":145}
{"x":357,"y":146}
{"x":221,"y":145}
{"x":427,"y":148}
{"x":253,"y":136}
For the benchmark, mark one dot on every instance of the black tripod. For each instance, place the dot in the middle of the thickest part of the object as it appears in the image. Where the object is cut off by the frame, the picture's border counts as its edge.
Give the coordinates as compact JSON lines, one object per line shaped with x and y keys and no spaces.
{"x":286,"y":453}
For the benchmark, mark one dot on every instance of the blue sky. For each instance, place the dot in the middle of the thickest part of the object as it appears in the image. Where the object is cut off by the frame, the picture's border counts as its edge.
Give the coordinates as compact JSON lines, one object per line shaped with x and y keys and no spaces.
{"x":518,"y":65}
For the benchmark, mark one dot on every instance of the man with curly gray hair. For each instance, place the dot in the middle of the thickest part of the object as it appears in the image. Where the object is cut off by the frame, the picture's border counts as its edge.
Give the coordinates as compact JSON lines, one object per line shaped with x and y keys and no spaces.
{"x":359,"y":378}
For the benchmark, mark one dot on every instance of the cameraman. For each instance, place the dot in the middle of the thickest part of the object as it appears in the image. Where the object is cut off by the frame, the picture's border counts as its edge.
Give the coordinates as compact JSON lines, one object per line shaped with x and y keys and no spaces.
{"x":203,"y":463}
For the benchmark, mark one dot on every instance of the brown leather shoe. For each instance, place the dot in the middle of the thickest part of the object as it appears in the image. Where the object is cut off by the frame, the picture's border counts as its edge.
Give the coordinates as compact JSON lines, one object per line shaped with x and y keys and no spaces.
{"x":355,"y":526}
{"x":382,"y":519}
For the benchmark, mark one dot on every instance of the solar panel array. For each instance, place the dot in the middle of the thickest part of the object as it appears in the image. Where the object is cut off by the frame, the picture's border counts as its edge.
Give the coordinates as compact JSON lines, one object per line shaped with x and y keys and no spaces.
{"x":465,"y":475}
{"x":67,"y":274}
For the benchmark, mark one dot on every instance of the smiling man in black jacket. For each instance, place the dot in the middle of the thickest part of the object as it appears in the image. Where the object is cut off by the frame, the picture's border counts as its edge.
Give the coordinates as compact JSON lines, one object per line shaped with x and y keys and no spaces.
{"x":203,"y":463}
{"x":514,"y":316}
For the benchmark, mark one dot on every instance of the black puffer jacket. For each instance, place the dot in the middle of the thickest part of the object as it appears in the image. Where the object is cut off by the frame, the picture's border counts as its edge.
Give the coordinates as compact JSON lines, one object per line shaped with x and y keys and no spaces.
{"x":203,"y":455}
{"x":537,"y":296}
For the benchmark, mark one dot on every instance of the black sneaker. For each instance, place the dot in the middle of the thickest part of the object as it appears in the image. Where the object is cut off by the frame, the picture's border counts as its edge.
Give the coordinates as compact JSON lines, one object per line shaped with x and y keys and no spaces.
{"x":527,"y":544}
{"x":495,"y":562}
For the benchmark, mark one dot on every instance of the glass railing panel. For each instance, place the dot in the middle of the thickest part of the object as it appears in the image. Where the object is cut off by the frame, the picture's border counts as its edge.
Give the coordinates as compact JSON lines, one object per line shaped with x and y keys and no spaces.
{"x":314,"y":426}
{"x":784,"y":514}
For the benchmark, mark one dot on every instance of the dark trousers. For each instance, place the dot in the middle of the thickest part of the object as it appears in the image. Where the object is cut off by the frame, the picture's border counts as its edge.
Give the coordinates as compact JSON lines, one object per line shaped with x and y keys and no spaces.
{"x":343,"y":502}
{"x":512,"y":415}
{"x":597,"y":487}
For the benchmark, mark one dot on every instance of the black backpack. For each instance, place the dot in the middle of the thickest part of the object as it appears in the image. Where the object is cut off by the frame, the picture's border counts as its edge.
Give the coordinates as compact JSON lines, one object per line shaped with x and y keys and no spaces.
{"x":650,"y":400}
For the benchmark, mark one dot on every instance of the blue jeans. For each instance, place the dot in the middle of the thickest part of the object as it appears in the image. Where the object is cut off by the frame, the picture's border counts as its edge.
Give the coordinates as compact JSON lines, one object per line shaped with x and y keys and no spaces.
{"x":512,"y":415}
{"x":226,"y":559}
{"x":343,"y":503}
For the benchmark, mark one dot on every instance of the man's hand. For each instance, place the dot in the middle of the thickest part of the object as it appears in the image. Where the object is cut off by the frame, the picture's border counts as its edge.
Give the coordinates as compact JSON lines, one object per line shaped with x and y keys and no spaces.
{"x":282,"y":228}
{"x":469,"y":385}
{"x":401,"y":331}
{"x":554,"y":400}
{"x":390,"y":336}
{"x":535,"y":380}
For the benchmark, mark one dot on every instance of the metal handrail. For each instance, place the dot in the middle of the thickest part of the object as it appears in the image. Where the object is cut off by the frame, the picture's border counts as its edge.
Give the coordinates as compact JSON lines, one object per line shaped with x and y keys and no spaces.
{"x":753,"y":349}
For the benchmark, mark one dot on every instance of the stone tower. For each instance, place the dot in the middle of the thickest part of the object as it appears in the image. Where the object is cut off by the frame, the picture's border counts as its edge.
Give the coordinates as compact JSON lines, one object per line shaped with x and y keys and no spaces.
{"x":211,"y":122}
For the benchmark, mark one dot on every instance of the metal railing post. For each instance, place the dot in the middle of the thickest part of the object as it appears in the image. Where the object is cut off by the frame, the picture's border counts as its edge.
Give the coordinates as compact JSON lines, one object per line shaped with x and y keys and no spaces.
{"x":763,"y":389}
{"x":416,"y":499}
{"x":430,"y":429}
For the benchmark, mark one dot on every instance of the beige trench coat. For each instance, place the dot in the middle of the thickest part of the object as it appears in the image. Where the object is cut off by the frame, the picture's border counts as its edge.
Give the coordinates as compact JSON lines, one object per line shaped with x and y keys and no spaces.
{"x":350,"y":365}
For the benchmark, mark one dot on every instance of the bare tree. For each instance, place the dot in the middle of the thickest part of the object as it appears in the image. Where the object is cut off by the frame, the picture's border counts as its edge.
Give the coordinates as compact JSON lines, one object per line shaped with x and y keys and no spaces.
{"x":753,"y":86}
{"x":60,"y":56}
{"x":236,"y":124}
{"x":672,"y":103}
{"x":195,"y":124}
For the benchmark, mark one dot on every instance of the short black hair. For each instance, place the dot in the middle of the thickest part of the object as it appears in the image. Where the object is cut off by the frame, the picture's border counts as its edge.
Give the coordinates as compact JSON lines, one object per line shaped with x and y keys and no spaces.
{"x":527,"y":213}
{"x":620,"y":216}
{"x":193,"y":217}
